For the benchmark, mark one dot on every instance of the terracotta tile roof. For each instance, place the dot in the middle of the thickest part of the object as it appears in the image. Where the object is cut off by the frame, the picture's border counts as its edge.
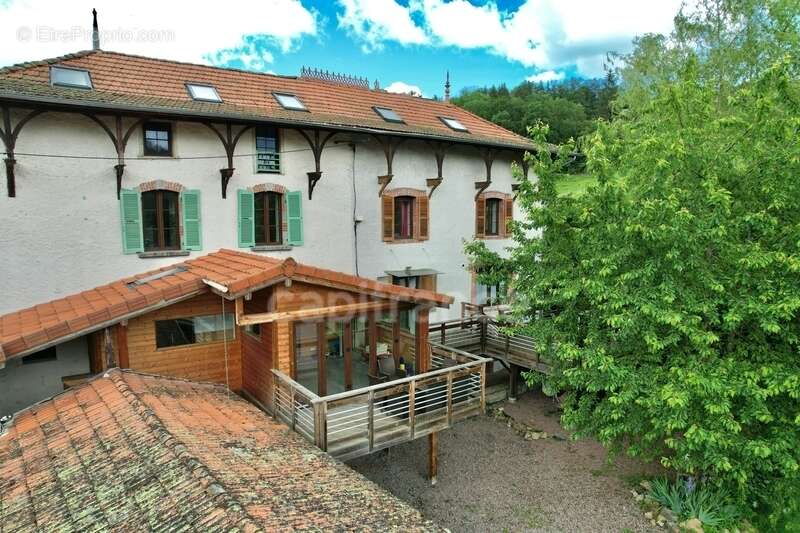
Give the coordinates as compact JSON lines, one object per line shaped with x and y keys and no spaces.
{"x":135,"y":82}
{"x":26,"y":330}
{"x":129,"y":451}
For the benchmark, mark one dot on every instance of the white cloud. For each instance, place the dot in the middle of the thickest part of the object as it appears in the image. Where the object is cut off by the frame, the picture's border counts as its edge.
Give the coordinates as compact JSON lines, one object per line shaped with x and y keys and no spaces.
{"x":547,"y":75}
{"x":36,"y":29}
{"x":403,"y":88}
{"x":374,"y":21}
{"x":546,"y":34}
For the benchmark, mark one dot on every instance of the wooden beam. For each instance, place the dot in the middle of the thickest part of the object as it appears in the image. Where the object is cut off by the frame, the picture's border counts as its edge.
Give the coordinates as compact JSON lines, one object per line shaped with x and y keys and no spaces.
{"x":239,"y":309}
{"x":396,"y":340}
{"x":318,"y":312}
{"x":422,"y":361}
{"x":122,"y":346}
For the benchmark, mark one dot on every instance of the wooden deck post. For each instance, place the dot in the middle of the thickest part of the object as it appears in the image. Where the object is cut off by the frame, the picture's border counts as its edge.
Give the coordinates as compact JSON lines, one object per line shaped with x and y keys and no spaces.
{"x":483,"y":388}
{"x":433,"y":456}
{"x":371,"y":419}
{"x":320,"y":425}
{"x":422,"y":356}
{"x":513,"y":376}
{"x":322,"y":361}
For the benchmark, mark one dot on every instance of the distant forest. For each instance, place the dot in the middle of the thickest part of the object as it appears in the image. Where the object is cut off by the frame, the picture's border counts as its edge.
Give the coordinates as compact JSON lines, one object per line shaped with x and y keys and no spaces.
{"x":569,"y":107}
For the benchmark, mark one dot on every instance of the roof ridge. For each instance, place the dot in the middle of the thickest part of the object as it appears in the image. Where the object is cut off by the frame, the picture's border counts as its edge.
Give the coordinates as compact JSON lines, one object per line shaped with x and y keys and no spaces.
{"x":47,"y":61}
{"x":215,"y":488}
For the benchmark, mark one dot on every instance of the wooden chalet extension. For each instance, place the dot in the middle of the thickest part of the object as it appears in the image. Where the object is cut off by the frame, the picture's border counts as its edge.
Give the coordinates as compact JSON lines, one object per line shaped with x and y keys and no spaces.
{"x":345,"y":361}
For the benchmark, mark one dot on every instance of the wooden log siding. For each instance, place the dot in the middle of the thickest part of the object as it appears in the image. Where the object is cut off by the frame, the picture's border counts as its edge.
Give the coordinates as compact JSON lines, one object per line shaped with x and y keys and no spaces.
{"x":199,"y":362}
{"x":257,"y":354}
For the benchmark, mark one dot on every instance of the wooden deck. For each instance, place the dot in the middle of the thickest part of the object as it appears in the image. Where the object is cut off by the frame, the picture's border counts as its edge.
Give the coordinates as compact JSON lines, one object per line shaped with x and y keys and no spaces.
{"x":482,"y":335}
{"x":362,"y":421}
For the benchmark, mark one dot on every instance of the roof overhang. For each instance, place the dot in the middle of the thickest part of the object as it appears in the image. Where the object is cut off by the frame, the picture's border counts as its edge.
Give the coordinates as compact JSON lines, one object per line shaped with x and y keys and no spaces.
{"x":82,"y":106}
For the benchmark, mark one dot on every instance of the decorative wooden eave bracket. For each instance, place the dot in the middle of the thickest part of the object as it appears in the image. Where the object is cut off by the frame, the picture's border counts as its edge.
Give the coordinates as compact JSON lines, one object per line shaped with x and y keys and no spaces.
{"x":9,"y":136}
{"x":317,"y":144}
{"x":439,"y":149}
{"x":489,"y":155}
{"x":523,"y":165}
{"x":229,"y":142}
{"x":119,"y":139}
{"x":389,"y":146}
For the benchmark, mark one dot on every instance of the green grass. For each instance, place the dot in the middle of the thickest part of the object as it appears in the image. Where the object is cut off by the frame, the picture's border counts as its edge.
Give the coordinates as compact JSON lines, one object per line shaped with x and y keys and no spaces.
{"x":574,"y":184}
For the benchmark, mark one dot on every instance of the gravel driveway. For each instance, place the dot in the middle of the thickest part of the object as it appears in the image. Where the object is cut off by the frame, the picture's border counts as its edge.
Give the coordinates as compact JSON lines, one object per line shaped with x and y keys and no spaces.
{"x":493,"y":479}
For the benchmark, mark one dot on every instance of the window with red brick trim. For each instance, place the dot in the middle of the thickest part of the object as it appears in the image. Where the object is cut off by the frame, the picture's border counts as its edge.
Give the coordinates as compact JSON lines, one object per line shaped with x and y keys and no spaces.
{"x":405,"y":215}
{"x":494,"y":212}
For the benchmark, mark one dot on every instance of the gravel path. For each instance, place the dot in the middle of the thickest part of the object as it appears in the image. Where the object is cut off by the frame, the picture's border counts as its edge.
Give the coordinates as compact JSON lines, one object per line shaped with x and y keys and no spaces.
{"x":492,"y":479}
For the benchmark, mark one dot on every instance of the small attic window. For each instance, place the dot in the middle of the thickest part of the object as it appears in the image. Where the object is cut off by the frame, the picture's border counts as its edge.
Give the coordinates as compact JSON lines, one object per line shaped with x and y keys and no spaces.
{"x":289,"y":101}
{"x":70,"y":77}
{"x":203,"y":93}
{"x":453,"y":124}
{"x":388,"y":114}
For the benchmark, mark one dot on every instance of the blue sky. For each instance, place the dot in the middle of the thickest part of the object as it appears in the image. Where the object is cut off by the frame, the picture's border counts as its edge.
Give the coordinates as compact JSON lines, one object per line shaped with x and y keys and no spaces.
{"x":402,"y":43}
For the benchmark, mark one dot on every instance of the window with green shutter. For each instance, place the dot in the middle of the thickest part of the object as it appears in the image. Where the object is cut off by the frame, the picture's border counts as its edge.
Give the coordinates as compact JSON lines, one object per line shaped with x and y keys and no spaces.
{"x":245,"y":205}
{"x":131,"y":216}
{"x":294,"y":218}
{"x":190,"y":206}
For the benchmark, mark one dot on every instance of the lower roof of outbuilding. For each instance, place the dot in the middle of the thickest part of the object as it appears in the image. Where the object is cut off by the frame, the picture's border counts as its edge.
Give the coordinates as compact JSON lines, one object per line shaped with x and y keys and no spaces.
{"x":229,"y":273}
{"x":128,"y":451}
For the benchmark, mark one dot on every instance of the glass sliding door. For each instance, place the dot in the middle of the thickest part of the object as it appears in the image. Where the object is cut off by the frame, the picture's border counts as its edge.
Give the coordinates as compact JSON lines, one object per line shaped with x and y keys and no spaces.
{"x":306,"y":355}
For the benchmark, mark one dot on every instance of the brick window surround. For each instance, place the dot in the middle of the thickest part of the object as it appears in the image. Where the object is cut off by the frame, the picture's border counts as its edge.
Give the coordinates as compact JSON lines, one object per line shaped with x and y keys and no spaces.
{"x":274,"y":187}
{"x":421,"y":215}
{"x":160,"y":185}
{"x":505,"y":215}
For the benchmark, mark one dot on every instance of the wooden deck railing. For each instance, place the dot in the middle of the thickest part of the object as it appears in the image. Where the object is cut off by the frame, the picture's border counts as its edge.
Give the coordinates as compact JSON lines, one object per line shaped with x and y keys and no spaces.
{"x":362,"y":421}
{"x":482,"y":335}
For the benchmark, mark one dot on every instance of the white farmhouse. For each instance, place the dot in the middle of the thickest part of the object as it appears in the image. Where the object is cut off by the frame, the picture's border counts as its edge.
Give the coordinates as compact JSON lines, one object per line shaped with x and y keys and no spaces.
{"x":118,"y":164}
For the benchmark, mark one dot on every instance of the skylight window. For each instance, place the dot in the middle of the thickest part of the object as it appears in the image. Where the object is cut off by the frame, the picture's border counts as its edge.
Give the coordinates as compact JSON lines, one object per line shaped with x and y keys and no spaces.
{"x":388,"y":114}
{"x":204,"y":93}
{"x":453,"y":124}
{"x":70,"y":77}
{"x":289,"y":101}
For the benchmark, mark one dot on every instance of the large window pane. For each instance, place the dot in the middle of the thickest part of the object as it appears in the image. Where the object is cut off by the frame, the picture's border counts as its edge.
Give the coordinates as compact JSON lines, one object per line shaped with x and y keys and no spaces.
{"x":403,"y":217}
{"x":306,"y":355}
{"x":169,"y":205}
{"x":194,"y":330}
{"x":150,"y":220}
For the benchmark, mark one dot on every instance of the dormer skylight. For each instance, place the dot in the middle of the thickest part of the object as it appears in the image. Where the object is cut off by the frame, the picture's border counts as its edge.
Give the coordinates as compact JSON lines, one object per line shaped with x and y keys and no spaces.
{"x":203,"y":93}
{"x":289,"y":101}
{"x":453,"y":124}
{"x":388,"y":114}
{"x":70,"y":77}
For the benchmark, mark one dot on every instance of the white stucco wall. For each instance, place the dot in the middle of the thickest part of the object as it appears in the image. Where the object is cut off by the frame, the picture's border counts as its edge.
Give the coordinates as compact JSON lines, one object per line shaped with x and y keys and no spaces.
{"x":61,"y":234}
{"x":22,"y":385}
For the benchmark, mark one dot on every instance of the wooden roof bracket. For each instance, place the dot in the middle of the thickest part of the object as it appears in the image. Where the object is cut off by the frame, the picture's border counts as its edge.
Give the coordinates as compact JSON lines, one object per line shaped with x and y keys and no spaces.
{"x":229,"y":142}
{"x":488,"y":159}
{"x":119,"y":139}
{"x":9,"y":136}
{"x":317,"y":144}
{"x":523,"y":164}
{"x":389,"y":145}
{"x":439,"y":149}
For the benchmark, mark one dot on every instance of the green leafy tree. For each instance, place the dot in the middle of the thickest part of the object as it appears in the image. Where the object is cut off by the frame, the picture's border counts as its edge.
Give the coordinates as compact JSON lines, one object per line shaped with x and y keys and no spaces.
{"x":668,"y":296}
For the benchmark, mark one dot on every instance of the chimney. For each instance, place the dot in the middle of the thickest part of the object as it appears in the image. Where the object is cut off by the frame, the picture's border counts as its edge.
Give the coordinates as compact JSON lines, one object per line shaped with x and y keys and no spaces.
{"x":447,"y":88}
{"x":95,"y":31}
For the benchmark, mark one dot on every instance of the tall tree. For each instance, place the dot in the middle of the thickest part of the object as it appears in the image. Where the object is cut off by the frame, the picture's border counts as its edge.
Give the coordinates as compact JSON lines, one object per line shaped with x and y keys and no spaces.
{"x":668,"y":297}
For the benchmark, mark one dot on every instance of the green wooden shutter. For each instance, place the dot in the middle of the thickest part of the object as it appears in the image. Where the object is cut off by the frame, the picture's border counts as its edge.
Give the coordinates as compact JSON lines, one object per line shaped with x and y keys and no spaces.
{"x":190,"y":206}
{"x":130,"y":208}
{"x":294,"y":217}
{"x":245,"y":202}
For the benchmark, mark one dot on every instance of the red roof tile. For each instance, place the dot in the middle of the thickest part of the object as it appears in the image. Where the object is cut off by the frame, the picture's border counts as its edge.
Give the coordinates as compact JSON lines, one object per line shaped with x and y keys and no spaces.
{"x":148,"y":83}
{"x":129,"y":451}
{"x":239,"y":273}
